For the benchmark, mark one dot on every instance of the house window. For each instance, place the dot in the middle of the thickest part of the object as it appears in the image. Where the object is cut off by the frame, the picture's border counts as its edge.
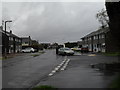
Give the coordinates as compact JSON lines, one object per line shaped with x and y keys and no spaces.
{"x":94,"y":37}
{"x":11,"y":46}
{"x":89,"y":38}
{"x":19,"y":40}
{"x":26,"y":42}
{"x":11,"y":38}
{"x":100,"y":36}
{"x":16,"y":39}
{"x":103,"y":36}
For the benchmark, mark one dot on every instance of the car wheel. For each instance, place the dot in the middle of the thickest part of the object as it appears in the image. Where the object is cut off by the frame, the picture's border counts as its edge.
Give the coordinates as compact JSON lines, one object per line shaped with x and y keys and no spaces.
{"x":65,"y":53}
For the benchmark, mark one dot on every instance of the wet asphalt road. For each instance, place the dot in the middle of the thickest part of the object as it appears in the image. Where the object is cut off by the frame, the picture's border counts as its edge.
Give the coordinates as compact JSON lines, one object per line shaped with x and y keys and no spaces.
{"x":79,"y":74}
{"x":27,"y":71}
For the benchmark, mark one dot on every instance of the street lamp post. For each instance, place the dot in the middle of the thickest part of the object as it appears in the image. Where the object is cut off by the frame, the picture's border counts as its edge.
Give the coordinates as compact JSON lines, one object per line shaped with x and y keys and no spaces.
{"x":6,"y":37}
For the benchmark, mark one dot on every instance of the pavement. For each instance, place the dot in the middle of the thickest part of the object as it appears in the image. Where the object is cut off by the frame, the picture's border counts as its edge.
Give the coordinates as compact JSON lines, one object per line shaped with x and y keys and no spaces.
{"x":26,"y":71}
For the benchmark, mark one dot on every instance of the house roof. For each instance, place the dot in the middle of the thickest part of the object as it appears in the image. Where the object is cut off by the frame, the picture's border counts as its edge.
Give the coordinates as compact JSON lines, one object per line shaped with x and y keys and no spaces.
{"x":10,"y":34}
{"x":105,"y":30}
{"x":26,"y":37}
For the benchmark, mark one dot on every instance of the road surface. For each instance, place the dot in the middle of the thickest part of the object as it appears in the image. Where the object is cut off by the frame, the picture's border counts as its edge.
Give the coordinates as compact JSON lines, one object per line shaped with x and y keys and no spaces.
{"x":27,"y":71}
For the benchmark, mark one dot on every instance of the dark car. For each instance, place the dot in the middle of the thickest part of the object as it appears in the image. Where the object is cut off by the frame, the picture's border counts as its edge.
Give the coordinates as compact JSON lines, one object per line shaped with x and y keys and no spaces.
{"x":84,"y":49}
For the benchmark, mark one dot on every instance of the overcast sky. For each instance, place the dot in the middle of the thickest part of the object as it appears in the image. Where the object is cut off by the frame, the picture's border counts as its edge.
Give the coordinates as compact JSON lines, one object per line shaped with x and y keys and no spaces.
{"x":52,"y":21}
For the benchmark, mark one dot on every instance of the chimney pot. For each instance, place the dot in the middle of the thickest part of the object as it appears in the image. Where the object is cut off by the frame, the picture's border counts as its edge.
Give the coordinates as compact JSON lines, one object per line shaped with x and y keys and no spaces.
{"x":10,"y":31}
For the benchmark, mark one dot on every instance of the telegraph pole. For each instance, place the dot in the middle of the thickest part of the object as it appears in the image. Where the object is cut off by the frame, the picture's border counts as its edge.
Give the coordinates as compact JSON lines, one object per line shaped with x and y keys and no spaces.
{"x":6,"y":38}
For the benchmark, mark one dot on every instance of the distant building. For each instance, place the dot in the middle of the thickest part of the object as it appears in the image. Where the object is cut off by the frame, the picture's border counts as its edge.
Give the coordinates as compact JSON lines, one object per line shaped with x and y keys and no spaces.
{"x":71,"y":44}
{"x":95,"y":41}
{"x":53,"y":46}
{"x":34,"y":42}
{"x":45,"y":45}
{"x":35,"y":45}
{"x":26,"y":41}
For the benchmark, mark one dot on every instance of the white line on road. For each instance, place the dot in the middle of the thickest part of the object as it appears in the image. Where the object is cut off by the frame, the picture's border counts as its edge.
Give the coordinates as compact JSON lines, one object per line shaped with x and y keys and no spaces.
{"x":65,"y":65}
{"x":62,"y":65}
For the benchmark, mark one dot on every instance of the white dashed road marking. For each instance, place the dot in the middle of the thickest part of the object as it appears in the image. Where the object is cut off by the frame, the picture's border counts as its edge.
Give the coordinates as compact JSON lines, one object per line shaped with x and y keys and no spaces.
{"x":62,"y":65}
{"x":65,"y":65}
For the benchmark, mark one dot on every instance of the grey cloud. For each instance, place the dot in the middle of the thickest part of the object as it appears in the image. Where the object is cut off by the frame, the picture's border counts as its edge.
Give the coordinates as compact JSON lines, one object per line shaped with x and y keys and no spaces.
{"x":54,"y":22}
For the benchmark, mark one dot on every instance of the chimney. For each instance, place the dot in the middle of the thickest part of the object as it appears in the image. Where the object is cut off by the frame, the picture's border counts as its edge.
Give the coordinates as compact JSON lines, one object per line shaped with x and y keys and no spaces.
{"x":10,"y":31}
{"x":29,"y":37}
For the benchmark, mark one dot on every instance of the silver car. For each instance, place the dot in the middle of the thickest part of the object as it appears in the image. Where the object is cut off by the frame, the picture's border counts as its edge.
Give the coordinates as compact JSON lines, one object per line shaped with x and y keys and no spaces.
{"x":28,"y":50}
{"x":65,"y":51}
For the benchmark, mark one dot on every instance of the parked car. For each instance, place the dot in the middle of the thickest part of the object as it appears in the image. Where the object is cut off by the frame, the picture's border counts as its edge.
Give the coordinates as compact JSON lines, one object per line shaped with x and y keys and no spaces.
{"x":28,"y":50}
{"x":84,"y":49}
{"x":76,"y":49}
{"x":65,"y":51}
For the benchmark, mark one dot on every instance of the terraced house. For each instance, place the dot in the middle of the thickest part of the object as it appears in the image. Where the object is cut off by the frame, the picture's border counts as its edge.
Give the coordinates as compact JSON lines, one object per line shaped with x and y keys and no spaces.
{"x":14,"y":43}
{"x":10,"y":42}
{"x":95,"y":41}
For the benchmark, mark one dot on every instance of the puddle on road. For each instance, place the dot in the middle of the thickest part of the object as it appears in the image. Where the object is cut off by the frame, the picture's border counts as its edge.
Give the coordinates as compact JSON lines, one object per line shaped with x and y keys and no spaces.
{"x":115,"y":67}
{"x":107,"y":70}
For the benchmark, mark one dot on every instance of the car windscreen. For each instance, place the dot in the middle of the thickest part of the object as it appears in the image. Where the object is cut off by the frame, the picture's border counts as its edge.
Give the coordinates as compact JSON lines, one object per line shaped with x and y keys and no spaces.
{"x":67,"y":49}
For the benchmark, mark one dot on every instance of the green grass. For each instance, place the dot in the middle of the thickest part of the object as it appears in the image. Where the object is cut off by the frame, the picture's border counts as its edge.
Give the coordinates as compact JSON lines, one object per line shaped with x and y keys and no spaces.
{"x":44,"y":87}
{"x":38,"y":54}
{"x":3,"y":58}
{"x":41,"y":51}
{"x":35,"y":55}
{"x":112,"y":54}
{"x":116,"y":83}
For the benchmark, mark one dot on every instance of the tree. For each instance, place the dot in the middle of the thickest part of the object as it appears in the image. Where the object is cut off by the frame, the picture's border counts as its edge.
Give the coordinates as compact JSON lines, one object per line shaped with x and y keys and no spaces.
{"x":103,"y":18}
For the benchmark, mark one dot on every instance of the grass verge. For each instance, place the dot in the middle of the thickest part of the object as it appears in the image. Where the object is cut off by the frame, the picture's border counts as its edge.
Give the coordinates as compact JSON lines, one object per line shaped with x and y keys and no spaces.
{"x":3,"y":58}
{"x":116,"y":82}
{"x":112,"y":54}
{"x":44,"y":87}
{"x":38,"y":54}
{"x":41,"y":51}
{"x":35,"y":55}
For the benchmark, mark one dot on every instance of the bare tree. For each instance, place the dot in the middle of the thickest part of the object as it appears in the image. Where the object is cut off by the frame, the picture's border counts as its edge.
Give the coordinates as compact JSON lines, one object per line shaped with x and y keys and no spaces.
{"x":103,"y":18}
